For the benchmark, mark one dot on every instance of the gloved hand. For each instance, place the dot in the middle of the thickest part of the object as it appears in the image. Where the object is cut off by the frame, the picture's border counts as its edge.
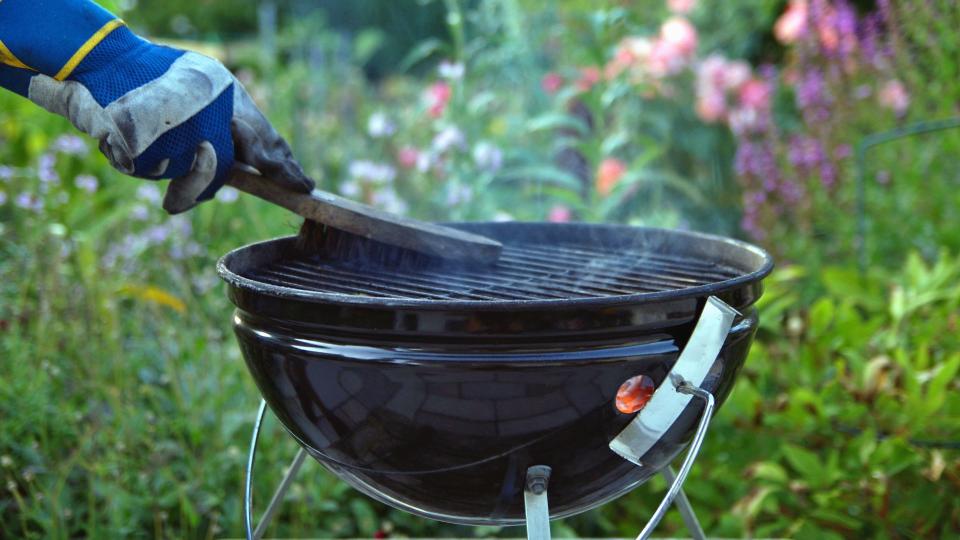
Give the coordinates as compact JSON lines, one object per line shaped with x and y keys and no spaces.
{"x":158,"y":112}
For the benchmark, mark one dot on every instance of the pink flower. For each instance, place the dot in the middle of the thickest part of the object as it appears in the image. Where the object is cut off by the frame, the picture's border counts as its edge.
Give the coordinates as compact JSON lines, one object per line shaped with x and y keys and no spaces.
{"x":438,"y":96}
{"x":665,"y":59}
{"x":679,"y":33}
{"x":735,"y":74}
{"x":793,"y":23}
{"x":551,"y":83}
{"x":609,"y":173}
{"x":407,"y":157}
{"x":589,"y":76}
{"x":559,"y":214}
{"x":633,"y":53}
{"x":894,"y":96}
{"x":755,"y":95}
{"x":711,"y":106}
{"x":681,"y":6}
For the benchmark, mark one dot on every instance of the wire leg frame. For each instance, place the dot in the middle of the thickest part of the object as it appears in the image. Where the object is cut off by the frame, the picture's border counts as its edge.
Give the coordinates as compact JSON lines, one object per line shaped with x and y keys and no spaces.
{"x":674,"y":492}
{"x":676,"y":482}
{"x":278,"y":495}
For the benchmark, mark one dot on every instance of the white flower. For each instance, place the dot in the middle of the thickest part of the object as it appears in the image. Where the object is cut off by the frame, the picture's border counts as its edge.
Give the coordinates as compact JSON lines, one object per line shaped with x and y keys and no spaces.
{"x":350,"y":188}
{"x":388,"y":200}
{"x":450,"y":70}
{"x":87,"y":183}
{"x":228,"y":195}
{"x":487,"y":156}
{"x":502,"y":216}
{"x":381,"y":173}
{"x":424,"y":162}
{"x":379,"y":126}
{"x":448,"y":138}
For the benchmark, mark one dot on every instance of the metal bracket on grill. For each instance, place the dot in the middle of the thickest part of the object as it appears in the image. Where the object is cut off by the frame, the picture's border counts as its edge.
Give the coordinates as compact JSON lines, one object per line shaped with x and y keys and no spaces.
{"x":671,"y":399}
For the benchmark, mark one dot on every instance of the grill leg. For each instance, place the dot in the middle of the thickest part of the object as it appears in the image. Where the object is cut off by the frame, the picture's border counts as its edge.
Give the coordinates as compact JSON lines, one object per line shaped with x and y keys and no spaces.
{"x":684,"y":507}
{"x":536,"y":508}
{"x":278,"y":495}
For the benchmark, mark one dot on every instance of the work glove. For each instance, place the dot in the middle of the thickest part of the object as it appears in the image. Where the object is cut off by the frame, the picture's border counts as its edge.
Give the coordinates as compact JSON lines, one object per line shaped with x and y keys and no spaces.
{"x":158,"y":112}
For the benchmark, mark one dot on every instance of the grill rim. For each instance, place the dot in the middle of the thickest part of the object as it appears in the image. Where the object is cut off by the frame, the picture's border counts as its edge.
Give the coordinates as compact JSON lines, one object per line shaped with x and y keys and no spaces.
{"x":241,"y":282}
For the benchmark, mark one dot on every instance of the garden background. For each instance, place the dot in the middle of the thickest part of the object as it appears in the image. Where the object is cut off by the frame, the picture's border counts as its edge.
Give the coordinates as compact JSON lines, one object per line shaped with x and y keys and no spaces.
{"x":125,"y":409}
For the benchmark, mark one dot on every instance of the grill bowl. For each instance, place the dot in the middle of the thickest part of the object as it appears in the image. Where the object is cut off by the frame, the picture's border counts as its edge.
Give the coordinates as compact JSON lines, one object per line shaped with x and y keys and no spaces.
{"x":434,"y":391}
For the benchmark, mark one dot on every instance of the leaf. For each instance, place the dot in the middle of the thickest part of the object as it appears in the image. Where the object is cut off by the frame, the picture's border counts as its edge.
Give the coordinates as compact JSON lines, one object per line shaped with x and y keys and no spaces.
{"x":154,"y":295}
{"x":805,"y":462}
{"x":421,"y":52}
{"x":367,"y":43}
{"x":542,"y":173}
{"x":771,"y":472}
{"x":821,"y":315}
{"x":937,"y":389}
{"x":557,"y":121}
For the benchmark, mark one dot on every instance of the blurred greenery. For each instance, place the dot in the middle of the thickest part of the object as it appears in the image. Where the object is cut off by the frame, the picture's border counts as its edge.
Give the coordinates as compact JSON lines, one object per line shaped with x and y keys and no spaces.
{"x":125,"y":409}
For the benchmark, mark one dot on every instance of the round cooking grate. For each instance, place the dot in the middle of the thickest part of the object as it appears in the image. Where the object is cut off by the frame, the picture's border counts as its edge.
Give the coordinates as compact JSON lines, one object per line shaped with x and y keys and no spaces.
{"x":528,"y":270}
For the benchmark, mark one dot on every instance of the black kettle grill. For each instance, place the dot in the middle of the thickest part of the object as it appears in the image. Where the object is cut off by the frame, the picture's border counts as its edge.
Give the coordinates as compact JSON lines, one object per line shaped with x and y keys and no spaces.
{"x":489,"y":395}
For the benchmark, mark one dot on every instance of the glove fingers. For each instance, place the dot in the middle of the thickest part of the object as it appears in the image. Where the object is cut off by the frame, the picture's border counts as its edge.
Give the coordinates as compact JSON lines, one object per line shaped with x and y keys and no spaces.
{"x":274,"y":159}
{"x":183,"y":193}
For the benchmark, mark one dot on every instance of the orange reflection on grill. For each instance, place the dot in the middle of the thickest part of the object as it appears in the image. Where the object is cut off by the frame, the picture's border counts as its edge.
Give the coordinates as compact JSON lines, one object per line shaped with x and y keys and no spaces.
{"x":634,"y":393}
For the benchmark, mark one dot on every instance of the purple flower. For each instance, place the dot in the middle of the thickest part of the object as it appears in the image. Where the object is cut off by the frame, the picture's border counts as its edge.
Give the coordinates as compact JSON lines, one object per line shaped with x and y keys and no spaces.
{"x":6,"y":173}
{"x":181,"y":226}
{"x":228,"y":195}
{"x":828,"y":175}
{"x":842,"y":151}
{"x":46,"y":171}
{"x":487,"y":156}
{"x":149,"y":193}
{"x":458,"y":195}
{"x":448,"y":138}
{"x":28,"y":201}
{"x":139,"y":212}
{"x":791,"y":191}
{"x":87,"y":183}
{"x":811,"y":90}
{"x":157,"y":234}
{"x":805,"y":152}
{"x":70,"y":145}
{"x":3,"y":198}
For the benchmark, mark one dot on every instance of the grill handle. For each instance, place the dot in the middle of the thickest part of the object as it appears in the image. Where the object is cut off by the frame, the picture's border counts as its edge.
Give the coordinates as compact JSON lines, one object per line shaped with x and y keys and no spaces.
{"x":671,"y":399}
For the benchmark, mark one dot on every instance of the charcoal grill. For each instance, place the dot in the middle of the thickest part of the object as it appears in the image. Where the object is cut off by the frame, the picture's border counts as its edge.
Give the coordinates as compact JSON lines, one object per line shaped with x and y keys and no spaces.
{"x":480,"y":395}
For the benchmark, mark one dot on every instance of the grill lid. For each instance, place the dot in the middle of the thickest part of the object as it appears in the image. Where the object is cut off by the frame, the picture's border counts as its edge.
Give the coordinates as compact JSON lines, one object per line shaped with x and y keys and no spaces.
{"x":540,"y":263}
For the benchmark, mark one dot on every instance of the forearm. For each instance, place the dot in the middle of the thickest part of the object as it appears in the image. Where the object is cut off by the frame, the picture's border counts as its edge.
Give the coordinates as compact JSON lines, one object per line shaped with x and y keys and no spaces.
{"x":52,"y":37}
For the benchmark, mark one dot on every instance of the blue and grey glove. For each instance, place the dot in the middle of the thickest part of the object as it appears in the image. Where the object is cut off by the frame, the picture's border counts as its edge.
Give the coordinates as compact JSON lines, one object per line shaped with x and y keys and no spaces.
{"x":158,"y":112}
